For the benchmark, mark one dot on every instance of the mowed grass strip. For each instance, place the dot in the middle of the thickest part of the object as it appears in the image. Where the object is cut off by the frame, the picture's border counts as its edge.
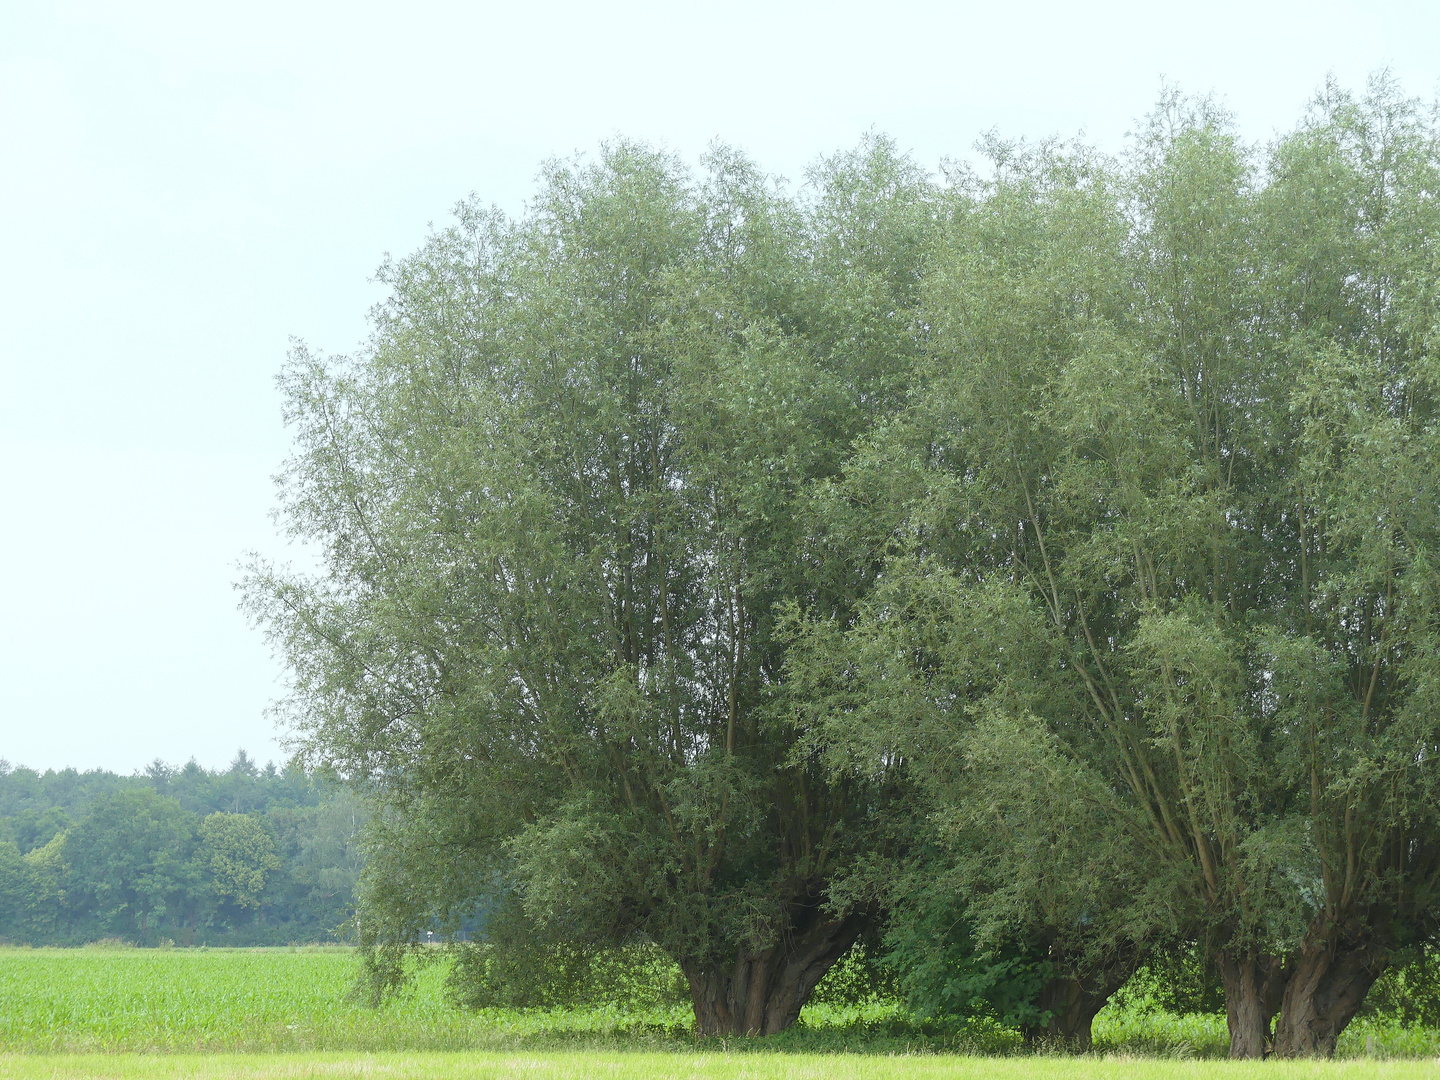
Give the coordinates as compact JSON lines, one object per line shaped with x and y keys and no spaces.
{"x":651,"y":1066}
{"x":664,"y":1066}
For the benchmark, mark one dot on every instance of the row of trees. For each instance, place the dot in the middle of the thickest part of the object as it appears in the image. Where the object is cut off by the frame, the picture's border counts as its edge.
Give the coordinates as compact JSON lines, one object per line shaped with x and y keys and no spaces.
{"x":240,"y":856}
{"x":1029,"y":567}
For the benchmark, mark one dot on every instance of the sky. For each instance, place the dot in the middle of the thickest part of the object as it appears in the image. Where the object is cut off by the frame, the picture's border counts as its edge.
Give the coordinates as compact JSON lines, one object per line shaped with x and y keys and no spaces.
{"x":185,"y":188}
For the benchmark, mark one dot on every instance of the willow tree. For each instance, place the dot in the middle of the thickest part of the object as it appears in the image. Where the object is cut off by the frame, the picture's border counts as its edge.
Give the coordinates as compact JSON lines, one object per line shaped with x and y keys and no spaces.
{"x":560,"y":500}
{"x":1165,"y":507}
{"x":1040,"y":903}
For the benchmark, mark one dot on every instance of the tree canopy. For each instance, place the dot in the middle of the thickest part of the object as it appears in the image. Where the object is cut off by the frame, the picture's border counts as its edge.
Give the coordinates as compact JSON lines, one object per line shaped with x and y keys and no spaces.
{"x":563,"y":499}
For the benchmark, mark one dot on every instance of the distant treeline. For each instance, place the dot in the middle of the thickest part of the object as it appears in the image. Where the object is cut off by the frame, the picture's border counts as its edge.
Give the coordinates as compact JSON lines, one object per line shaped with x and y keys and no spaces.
{"x":243,"y":856}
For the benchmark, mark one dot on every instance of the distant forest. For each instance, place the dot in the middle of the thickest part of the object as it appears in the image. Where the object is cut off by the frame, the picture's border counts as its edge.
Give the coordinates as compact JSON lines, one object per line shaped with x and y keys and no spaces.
{"x":184,"y":855}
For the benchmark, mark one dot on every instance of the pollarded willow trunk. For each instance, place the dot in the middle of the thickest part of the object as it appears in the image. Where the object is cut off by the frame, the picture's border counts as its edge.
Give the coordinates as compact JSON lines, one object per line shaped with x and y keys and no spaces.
{"x":1327,"y":986}
{"x":1254,"y":987}
{"x":1073,"y":1002}
{"x":762,"y":992}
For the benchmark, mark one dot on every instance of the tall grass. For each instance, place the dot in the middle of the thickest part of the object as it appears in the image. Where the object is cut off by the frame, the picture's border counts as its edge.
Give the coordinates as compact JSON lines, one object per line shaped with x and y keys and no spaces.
{"x":1138,"y":1029}
{"x":54,"y":1000}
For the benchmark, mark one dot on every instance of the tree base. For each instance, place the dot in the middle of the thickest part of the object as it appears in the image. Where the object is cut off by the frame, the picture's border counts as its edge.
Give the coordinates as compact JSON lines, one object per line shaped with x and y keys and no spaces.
{"x":762,"y":993}
{"x":1073,"y":1003}
{"x":1326,"y":988}
{"x":1314,"y":995}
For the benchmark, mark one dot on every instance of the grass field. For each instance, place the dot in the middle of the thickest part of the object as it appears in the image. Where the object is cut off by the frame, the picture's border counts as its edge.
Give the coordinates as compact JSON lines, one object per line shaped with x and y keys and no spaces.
{"x":612,"y":1065}
{"x":287,"y":1013}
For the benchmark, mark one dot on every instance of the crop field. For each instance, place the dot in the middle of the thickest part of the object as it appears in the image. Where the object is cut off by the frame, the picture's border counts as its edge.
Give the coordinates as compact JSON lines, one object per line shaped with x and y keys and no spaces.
{"x":289,"y":1013}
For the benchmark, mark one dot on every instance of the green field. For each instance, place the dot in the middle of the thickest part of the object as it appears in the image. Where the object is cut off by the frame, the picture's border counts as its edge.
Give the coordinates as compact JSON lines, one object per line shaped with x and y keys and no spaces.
{"x":288,"y":1013}
{"x":639,"y":1065}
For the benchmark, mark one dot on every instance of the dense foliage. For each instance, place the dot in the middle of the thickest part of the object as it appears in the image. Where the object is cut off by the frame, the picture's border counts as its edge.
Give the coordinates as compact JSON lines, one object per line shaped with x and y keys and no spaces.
{"x":182,"y":855}
{"x":1031,"y":567}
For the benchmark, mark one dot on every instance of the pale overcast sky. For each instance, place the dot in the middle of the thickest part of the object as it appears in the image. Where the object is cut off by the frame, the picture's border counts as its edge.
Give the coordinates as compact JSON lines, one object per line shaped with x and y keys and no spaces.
{"x":183,"y":186}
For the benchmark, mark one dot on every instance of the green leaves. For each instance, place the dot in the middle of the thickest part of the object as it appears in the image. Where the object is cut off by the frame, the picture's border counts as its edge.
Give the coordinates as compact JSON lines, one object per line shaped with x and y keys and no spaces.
{"x":240,"y":854}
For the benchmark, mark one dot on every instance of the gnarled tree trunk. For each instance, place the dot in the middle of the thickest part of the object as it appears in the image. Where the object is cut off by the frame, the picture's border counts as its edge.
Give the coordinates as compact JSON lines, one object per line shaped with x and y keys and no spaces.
{"x":1254,"y":986}
{"x":1072,"y":1003}
{"x":1327,"y":986}
{"x":762,"y":993}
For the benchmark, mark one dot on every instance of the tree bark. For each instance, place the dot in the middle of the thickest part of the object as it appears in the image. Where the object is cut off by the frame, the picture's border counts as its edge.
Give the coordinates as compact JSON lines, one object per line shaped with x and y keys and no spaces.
{"x":762,"y":992}
{"x":1073,"y":1002}
{"x":1072,"y":1009}
{"x":1331,"y":977}
{"x":1254,"y":986}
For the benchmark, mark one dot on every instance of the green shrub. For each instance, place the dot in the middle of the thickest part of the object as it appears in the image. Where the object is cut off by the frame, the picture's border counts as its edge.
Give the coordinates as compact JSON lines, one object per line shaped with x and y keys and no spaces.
{"x":1408,"y":992}
{"x":558,"y":974}
{"x":1182,"y":982}
{"x":860,"y":977}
